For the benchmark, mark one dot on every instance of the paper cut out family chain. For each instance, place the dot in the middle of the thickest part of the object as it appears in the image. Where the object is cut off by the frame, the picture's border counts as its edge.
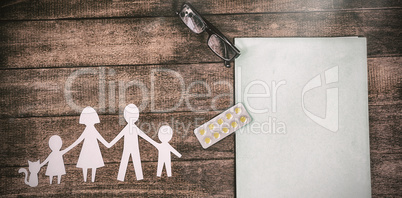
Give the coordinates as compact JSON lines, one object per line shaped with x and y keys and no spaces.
{"x":91,"y":157}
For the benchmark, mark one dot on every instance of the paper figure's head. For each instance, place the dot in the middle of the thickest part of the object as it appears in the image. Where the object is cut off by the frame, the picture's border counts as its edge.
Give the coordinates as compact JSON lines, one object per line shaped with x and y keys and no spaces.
{"x":89,"y":116}
{"x":131,"y":113}
{"x":165,"y":133}
{"x":55,"y":143}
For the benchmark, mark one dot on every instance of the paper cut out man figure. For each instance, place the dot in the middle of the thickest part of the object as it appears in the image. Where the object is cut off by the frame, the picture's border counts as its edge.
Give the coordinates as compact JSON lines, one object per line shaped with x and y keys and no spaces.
{"x":55,"y":159}
{"x":164,"y":149}
{"x":90,"y":156}
{"x":130,"y":133}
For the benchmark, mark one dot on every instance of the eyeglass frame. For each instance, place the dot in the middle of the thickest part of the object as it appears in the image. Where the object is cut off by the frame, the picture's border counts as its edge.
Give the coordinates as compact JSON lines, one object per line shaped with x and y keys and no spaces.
{"x":212,"y":30}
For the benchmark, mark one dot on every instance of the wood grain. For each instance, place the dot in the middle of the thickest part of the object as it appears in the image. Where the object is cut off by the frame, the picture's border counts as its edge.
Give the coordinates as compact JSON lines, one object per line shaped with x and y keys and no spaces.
{"x":27,"y":138}
{"x":46,"y":88}
{"x":64,"y":9}
{"x":385,"y":170}
{"x":66,"y":91}
{"x":386,"y":174}
{"x":384,"y":80}
{"x":42,"y":43}
{"x":206,"y":180}
{"x":165,"y":40}
{"x":385,"y":129}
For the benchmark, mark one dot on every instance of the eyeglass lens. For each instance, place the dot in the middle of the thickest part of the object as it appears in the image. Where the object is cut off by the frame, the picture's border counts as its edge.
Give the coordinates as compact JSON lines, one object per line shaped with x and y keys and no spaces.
{"x":221,"y":48}
{"x":192,"y":20}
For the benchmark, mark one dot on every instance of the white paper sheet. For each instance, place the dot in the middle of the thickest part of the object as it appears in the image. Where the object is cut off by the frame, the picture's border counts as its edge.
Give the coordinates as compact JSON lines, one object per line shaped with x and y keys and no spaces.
{"x":308,"y":98}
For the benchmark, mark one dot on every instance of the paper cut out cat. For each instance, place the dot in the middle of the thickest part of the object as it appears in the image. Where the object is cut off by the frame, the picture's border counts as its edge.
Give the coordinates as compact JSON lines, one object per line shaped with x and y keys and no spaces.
{"x":34,"y":168}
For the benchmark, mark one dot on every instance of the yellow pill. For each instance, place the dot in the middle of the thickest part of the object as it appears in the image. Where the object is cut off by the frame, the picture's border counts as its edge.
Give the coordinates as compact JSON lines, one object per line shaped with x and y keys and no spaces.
{"x":216,"y":135}
{"x":202,"y":131}
{"x":207,"y":140}
{"x":211,"y":126}
{"x":220,"y":121}
{"x":229,"y":116}
{"x":243,"y":119}
{"x":225,"y":129}
{"x":238,"y":110}
{"x":234,"y":124}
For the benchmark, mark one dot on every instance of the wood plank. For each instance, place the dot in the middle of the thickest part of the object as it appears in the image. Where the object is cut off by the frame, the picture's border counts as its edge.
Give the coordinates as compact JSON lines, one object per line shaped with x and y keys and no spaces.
{"x":42,"y":92}
{"x":39,"y":131}
{"x":189,"y":178}
{"x":385,"y":128}
{"x":27,"y":138}
{"x":386,"y":174}
{"x":195,"y":177}
{"x":85,"y":34}
{"x":35,"y":10}
{"x":160,"y":88}
{"x":384,"y":75}
{"x":385,"y":104}
{"x":165,"y":40}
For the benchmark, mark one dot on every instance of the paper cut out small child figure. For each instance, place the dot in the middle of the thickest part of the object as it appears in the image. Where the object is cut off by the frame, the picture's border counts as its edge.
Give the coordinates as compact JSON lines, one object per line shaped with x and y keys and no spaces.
{"x":90,"y":156}
{"x":55,"y":160}
{"x":165,"y":134}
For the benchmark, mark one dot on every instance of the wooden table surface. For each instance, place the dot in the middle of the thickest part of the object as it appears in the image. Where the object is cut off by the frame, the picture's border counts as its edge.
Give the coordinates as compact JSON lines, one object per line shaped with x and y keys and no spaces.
{"x":59,"y":56}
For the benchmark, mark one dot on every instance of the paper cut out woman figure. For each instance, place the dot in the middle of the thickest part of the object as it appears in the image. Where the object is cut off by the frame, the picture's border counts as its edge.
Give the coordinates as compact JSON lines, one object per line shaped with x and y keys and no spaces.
{"x":164,"y":149}
{"x":90,"y":156}
{"x":55,"y":159}
{"x":130,"y":133}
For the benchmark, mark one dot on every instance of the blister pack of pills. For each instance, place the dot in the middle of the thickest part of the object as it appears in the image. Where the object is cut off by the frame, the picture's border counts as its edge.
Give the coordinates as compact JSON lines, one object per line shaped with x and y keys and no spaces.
{"x":222,"y":125}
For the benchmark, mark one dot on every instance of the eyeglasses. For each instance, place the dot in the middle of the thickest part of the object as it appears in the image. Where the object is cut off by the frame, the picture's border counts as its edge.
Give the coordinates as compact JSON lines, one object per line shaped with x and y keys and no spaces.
{"x":217,"y":42}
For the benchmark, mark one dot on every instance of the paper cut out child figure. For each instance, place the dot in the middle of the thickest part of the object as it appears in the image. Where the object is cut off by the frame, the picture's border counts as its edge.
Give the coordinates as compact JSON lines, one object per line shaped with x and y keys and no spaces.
{"x":55,"y":160}
{"x":130,"y":133}
{"x":90,"y":156}
{"x":164,"y":149}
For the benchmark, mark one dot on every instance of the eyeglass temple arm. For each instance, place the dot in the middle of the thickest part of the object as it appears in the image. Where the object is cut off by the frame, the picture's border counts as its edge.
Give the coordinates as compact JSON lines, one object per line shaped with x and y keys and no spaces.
{"x":227,"y":63}
{"x":213,"y":28}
